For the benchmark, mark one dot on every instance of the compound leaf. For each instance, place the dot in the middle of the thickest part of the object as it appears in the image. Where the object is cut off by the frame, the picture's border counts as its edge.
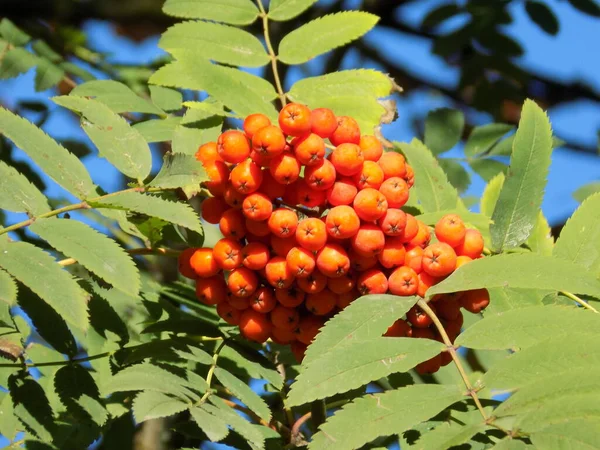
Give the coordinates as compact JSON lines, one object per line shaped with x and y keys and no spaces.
{"x":244,"y":393}
{"x":18,"y":194}
{"x":235,"y":12}
{"x":281,"y":10}
{"x":8,"y":289}
{"x":212,"y":426}
{"x":179,"y":170}
{"x":117,"y":96}
{"x":152,"y":405}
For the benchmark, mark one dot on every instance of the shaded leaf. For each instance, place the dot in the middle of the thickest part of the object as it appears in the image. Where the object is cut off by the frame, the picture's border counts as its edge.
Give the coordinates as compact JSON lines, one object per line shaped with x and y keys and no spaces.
{"x":15,"y":62}
{"x":179,"y":170}
{"x":483,"y":138}
{"x":196,"y":129}
{"x":165,"y":98}
{"x":491,"y":194}
{"x":249,"y":364}
{"x":78,"y":392}
{"x":215,"y":428}
{"x":448,"y":435}
{"x":9,"y":425}
{"x":456,"y":173}
{"x":443,"y":129}
{"x":504,"y":299}
{"x":488,"y":168}
{"x":12,"y":33}
{"x":47,"y":74}
{"x":580,"y":434}
{"x":31,"y":407}
{"x":440,"y":14}
{"x":8,"y":289}
{"x":222,"y":411}
{"x":585,"y":191}
{"x":157,"y":130}
{"x":324,"y":34}
{"x":243,"y":392}
{"x":236,"y":12}
{"x":117,"y":96}
{"x":152,"y":405}
{"x":541,"y":240}
{"x":288,"y":9}
{"x":543,"y":16}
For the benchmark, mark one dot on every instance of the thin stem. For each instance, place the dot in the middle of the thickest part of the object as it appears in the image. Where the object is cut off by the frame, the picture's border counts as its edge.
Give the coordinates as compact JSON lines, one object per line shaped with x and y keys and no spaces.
{"x":61,"y":363}
{"x":133,"y":251}
{"x":265,"y":22}
{"x":580,"y":301}
{"x":450,"y":347}
{"x":301,"y":209}
{"x":211,"y":372}
{"x":302,"y":420}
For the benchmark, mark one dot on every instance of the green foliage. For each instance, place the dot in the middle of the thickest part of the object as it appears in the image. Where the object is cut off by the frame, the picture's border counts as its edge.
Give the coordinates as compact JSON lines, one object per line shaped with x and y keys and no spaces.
{"x":236,"y":12}
{"x":18,"y":194}
{"x":443,"y":129}
{"x":586,"y":190}
{"x":288,"y":9}
{"x":483,"y":138}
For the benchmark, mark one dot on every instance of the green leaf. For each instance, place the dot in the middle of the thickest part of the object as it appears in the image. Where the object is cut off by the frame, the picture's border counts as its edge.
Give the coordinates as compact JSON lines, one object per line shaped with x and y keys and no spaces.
{"x":244,"y":393}
{"x":586,"y":6}
{"x":62,"y":166}
{"x":519,"y":270}
{"x":93,"y":250}
{"x":488,"y":168}
{"x":174,"y":212}
{"x":31,"y":406}
{"x":38,"y":270}
{"x":440,"y":14}
{"x":281,"y":10}
{"x":541,"y":240}
{"x":17,"y":194}
{"x":179,"y":170}
{"x":216,"y":42}
{"x":522,"y":328}
{"x":358,"y":363}
{"x":579,"y":239}
{"x":542,"y":16}
{"x":78,"y":392}
{"x":165,"y":98}
{"x":116,"y":96}
{"x":483,"y":138}
{"x":238,"y":360}
{"x":580,"y":434}
{"x":120,"y":144}
{"x":521,"y":196}
{"x":158,"y":130}
{"x":391,"y":412}
{"x":148,"y":377}
{"x":434,"y":191}
{"x":214,"y":428}
{"x":504,"y":299}
{"x":235,"y":12}
{"x":511,"y":444}
{"x":247,"y":430}
{"x":324,"y":34}
{"x":448,"y":435}
{"x":8,"y":289}
{"x":443,"y":129}
{"x":477,"y":220}
{"x":195,"y":129}
{"x":152,"y":405}
{"x":9,"y":425}
{"x":456,"y":173}
{"x":16,"y":61}
{"x":242,"y":92}
{"x":12,"y":33}
{"x":47,"y":74}
{"x":585,"y":191}
{"x":491,"y":194}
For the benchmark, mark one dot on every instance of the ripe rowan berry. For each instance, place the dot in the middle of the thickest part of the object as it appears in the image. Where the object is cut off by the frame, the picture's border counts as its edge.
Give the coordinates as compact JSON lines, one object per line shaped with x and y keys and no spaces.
{"x":255,"y":256}
{"x":403,"y":281}
{"x":246,"y":177}
{"x":423,"y":333}
{"x":283,"y":222}
{"x":475,"y":300}
{"x":313,"y":283}
{"x":228,"y":254}
{"x":207,"y":153}
{"x":294,"y":119}
{"x":393,"y":222}
{"x":422,"y":237}
{"x":255,"y":326}
{"x":395,"y":191}
{"x":263,"y":300}
{"x":285,"y":318}
{"x":257,"y":207}
{"x":410,"y":176}
{"x":311,"y":234}
{"x":344,"y":300}
{"x":282,"y":337}
{"x":308,"y":328}
{"x":255,"y":122}
{"x":425,"y":282}
{"x":233,"y":146}
{"x":233,"y":197}
{"x":285,"y":168}
{"x":372,"y":281}
{"x":270,"y":187}
{"x":462,"y":260}
{"x":282,"y":245}
{"x":301,"y":262}
{"x":414,"y":258}
{"x":183,"y":264}
{"x":347,"y":131}
{"x":321,"y":303}
{"x":332,"y":261}
{"x":471,"y":245}
{"x":342,"y":222}
{"x":228,"y":313}
{"x":218,"y":177}
{"x":393,"y":164}
{"x":341,"y":285}
{"x":417,"y":317}
{"x":232,"y":224}
{"x":323,"y":122}
{"x":211,"y":291}
{"x":370,"y":176}
{"x":290,"y":297}
{"x":213,"y":208}
{"x":278,"y":273}
{"x":450,"y":229}
{"x":298,"y":349}
{"x":308,"y":196}
{"x":203,"y":263}
{"x":400,"y":328}
{"x":447,"y":308}
{"x":347,"y":159}
{"x":360,"y":263}
{"x":320,"y":176}
{"x":269,"y":141}
{"x":309,"y":149}
{"x":258,"y":229}
{"x":342,"y":192}
{"x":371,"y":147}
{"x":439,"y":259}
{"x":242,"y":282}
{"x":430,"y":366}
{"x":393,"y":253}
{"x":238,"y":303}
{"x":368,"y":241}
{"x":370,"y":204}
{"x":411,"y":229}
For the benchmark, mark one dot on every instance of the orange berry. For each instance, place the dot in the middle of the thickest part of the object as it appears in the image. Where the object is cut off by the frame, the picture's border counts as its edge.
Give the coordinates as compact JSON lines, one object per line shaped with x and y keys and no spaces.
{"x":255,"y":256}
{"x":311,"y":233}
{"x":370,"y":176}
{"x":344,"y":300}
{"x":423,"y":235}
{"x":313,"y":283}
{"x":320,"y":176}
{"x":332,"y":261}
{"x":282,"y":337}
{"x":258,"y":228}
{"x":368,"y":241}
{"x":255,"y":122}
{"x":430,"y":366}
{"x":228,"y":313}
{"x":399,"y":329}
{"x":211,"y":291}
{"x":347,"y":159}
{"x":425,"y":282}
{"x":203,"y":263}
{"x":271,"y":187}
{"x":471,"y":245}
{"x":290,"y":196}
{"x":308,"y":328}
{"x":360,"y":263}
{"x":228,"y":254}
{"x":447,"y":308}
{"x":393,"y":222}
{"x":282,"y":245}
{"x":233,"y":146}
{"x":218,"y":177}
{"x":411,"y":229}
{"x":462,"y":260}
{"x":298,"y":349}
{"x":309,"y":149}
{"x":260,"y":159}
{"x":285,"y":168}
{"x":278,"y":273}
{"x":393,"y":253}
{"x":439,"y":259}
{"x":410,"y":176}
{"x":347,"y":131}
{"x":207,"y":153}
{"x":372,"y":281}
{"x":294,"y":119}
{"x":213,"y":208}
{"x":393,"y":164}
{"x":342,"y":222}
{"x":283,"y":222}
{"x":257,"y":207}
{"x":403,"y":281}
{"x":395,"y":191}
{"x":285,"y":318}
{"x":246,"y":177}
{"x":233,"y":197}
{"x":342,"y":192}
{"x":321,"y":303}
{"x":183,"y":264}
{"x":423,"y":333}
{"x":308,"y":196}
{"x":341,"y":285}
{"x":323,"y":122}
{"x":301,"y":262}
{"x":475,"y":301}
{"x":371,"y":147}
{"x":255,"y":326}
{"x":370,"y":204}
{"x":414,"y":258}
{"x":263,"y":300}
{"x":232,"y":224}
{"x":239,"y":303}
{"x":269,"y":141}
{"x":453,"y":327}
{"x":242,"y":282}
{"x":290,"y":297}
{"x":451,"y":230}
{"x":417,"y":317}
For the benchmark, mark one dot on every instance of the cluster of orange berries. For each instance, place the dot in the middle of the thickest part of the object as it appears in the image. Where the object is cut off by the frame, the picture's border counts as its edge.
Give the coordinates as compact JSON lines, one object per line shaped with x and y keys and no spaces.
{"x":307,"y":231}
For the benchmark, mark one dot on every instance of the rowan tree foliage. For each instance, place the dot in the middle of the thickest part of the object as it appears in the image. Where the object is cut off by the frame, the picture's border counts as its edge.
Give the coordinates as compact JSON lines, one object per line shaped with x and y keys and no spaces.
{"x":100,"y":336}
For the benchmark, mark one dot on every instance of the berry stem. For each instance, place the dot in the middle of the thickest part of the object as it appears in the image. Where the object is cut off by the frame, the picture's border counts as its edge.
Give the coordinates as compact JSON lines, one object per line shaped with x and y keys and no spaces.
{"x":579,"y":301}
{"x":265,"y":21}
